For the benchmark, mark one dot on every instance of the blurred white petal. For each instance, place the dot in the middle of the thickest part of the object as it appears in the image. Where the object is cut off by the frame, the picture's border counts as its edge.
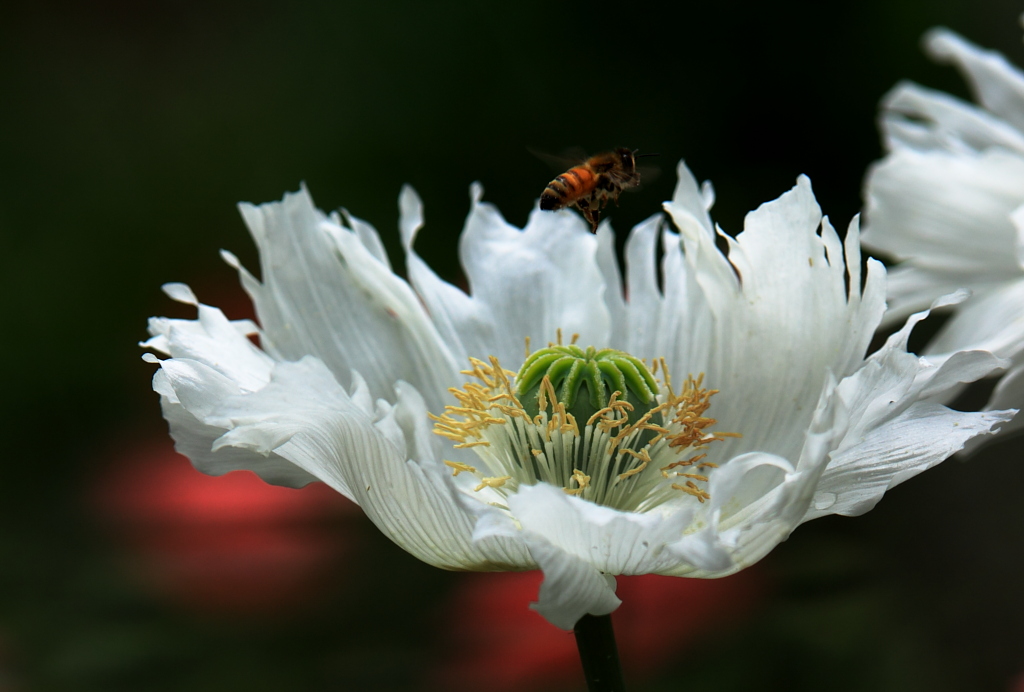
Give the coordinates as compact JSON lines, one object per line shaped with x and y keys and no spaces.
{"x":947,"y":202}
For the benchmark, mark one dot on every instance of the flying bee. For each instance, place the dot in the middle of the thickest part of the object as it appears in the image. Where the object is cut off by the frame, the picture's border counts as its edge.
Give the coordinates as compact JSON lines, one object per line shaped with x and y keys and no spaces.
{"x":590,"y":185}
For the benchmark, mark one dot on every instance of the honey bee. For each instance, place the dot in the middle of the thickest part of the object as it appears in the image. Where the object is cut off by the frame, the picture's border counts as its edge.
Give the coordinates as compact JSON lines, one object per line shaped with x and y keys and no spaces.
{"x":590,"y":185}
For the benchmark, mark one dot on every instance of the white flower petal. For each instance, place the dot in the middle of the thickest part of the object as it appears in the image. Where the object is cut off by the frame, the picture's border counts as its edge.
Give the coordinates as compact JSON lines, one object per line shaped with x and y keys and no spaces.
{"x":324,"y":293}
{"x":639,"y":326}
{"x":996,"y":84}
{"x":571,"y":588}
{"x":608,"y":264}
{"x":788,"y":305}
{"x":919,"y":438}
{"x":1017,"y":219}
{"x":305,"y":416}
{"x":366,"y":233}
{"x":893,"y":431}
{"x":920,"y":118}
{"x":215,"y":341}
{"x":912,"y":289}
{"x":195,"y":439}
{"x":577,"y":544}
{"x":924,"y":205}
{"x":1008,"y":394}
{"x":534,"y":281}
{"x":466,"y":325}
{"x":757,"y":499}
{"x":992,"y":320}
{"x":613,"y":541}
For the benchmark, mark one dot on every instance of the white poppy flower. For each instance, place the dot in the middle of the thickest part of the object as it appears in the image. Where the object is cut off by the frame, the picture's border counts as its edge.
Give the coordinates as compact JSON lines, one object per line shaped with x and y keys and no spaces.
{"x":357,"y":383}
{"x":947,"y":202}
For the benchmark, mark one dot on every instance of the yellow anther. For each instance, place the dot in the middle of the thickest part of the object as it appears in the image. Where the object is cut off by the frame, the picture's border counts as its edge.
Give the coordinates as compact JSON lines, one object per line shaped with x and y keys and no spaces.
{"x":614,"y":406}
{"x":495,"y":482}
{"x":691,"y":489}
{"x":464,"y":410}
{"x":575,"y":338}
{"x":582,"y":480}
{"x":559,"y":333}
{"x":570,"y":425}
{"x":668,"y":377}
{"x":546,"y":394}
{"x":459,"y":467}
{"x":513,"y":411}
{"x":477,"y":443}
{"x":455,"y":437}
{"x":644,"y":457}
{"x":501,"y":395}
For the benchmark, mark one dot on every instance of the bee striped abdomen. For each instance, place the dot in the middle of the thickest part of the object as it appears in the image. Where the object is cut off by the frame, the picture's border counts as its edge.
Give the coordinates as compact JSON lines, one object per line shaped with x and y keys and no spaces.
{"x":567,"y":188}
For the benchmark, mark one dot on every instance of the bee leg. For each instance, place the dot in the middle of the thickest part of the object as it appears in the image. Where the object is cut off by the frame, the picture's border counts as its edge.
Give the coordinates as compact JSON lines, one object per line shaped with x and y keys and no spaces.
{"x":588,"y":212}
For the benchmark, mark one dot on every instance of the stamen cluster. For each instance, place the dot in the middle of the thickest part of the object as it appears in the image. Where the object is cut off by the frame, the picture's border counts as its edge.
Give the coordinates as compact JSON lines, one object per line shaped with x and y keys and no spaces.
{"x":623,"y":455}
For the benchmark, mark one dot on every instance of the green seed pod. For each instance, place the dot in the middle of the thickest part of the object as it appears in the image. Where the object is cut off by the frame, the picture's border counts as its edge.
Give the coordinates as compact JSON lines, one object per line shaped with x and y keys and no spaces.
{"x":584,"y":381}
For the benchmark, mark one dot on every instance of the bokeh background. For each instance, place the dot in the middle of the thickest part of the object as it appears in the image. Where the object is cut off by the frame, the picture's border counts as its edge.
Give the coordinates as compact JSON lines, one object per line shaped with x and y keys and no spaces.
{"x":128,"y":131}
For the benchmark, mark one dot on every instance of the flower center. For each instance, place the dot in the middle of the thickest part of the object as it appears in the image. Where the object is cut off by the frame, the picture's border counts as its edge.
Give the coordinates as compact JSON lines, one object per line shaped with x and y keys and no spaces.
{"x":597,"y":423}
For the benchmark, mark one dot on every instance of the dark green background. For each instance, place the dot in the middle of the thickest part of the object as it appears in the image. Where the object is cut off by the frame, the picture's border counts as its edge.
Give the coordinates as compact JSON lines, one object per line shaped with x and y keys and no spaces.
{"x":129,"y":130}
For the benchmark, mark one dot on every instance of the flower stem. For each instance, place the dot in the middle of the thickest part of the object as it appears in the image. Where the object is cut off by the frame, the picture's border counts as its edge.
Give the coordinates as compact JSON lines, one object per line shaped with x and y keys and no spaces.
{"x":595,"y":639}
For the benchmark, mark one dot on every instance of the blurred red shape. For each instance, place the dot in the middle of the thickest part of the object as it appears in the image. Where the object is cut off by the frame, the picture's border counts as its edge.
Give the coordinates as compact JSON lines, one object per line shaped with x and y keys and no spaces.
{"x":492,"y":640}
{"x":227,"y":545}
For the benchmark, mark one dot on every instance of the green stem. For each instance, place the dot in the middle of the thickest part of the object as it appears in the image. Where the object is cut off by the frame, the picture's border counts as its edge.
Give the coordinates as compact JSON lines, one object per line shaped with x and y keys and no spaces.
{"x":595,"y":639}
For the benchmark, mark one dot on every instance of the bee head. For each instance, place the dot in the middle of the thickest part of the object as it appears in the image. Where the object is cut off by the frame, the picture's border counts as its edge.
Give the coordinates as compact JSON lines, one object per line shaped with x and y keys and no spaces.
{"x":627,"y":157}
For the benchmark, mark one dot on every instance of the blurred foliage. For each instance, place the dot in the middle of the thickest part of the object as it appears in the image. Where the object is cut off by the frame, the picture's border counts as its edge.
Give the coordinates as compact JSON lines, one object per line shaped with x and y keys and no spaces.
{"x":129,"y":130}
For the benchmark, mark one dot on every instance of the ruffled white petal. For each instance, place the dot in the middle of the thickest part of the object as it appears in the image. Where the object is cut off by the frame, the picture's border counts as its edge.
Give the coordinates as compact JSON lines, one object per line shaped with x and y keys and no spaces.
{"x":366,"y":233}
{"x":360,"y":449}
{"x":214,"y":356}
{"x":195,"y":439}
{"x":465,"y":324}
{"x":534,"y":281}
{"x":324,"y":292}
{"x":757,"y":499}
{"x":781,"y":298}
{"x":997,"y":85}
{"x":1008,"y":394}
{"x":575,"y":542}
{"x":211,"y":339}
{"x":893,"y":430}
{"x":523,"y":283}
{"x":641,"y":323}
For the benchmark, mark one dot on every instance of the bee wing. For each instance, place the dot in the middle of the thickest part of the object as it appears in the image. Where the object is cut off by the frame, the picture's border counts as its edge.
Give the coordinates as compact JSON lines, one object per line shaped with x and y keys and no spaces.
{"x":573,"y":156}
{"x":648,"y":174}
